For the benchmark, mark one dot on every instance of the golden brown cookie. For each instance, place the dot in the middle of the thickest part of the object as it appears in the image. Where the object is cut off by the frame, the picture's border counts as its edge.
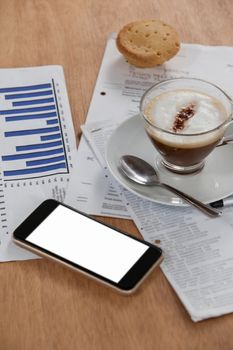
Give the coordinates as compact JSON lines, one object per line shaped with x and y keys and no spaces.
{"x":148,"y":43}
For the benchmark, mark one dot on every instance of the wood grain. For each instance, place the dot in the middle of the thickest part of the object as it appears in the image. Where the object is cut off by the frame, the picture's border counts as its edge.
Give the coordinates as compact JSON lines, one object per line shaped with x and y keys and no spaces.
{"x":43,"y":305}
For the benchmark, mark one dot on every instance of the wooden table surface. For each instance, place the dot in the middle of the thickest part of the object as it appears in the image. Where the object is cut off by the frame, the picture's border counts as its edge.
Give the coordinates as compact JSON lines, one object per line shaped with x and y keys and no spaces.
{"x":43,"y":305}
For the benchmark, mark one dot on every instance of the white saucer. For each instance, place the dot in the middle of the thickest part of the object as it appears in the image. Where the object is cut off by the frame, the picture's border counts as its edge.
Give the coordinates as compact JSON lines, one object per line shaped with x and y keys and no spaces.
{"x":214,"y":182}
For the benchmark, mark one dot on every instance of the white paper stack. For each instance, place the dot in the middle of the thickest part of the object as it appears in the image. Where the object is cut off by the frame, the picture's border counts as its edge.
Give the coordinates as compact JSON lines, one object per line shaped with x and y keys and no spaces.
{"x":198,"y":250}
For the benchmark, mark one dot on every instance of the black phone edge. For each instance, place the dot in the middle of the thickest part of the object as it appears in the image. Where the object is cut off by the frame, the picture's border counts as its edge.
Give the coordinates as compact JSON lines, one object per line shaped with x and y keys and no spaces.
{"x":88,"y":274}
{"x":127,"y":284}
{"x":32,"y":222}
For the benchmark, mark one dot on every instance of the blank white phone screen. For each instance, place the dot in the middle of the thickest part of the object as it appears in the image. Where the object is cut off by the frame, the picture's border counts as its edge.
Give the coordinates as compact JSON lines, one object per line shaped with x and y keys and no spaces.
{"x":87,"y":243}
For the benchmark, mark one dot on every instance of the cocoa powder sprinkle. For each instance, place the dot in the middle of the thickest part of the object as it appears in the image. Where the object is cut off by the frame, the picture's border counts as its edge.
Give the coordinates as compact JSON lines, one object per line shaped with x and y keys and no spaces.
{"x":182,"y":116}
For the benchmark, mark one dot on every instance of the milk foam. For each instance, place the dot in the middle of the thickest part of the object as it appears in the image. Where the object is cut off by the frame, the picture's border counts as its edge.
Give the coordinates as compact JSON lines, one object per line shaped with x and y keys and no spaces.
{"x":209,"y":112}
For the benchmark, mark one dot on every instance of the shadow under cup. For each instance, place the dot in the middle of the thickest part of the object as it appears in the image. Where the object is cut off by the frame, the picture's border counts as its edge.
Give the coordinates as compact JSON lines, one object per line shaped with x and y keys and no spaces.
{"x":182,"y":152}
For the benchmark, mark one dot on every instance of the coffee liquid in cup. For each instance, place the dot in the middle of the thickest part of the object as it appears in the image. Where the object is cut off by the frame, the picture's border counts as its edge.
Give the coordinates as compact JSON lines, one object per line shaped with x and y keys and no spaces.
{"x":182,"y":116}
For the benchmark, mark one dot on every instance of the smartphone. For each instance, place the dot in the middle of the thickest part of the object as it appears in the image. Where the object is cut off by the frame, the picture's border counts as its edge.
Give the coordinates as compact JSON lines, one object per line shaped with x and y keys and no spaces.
{"x":74,"y":239}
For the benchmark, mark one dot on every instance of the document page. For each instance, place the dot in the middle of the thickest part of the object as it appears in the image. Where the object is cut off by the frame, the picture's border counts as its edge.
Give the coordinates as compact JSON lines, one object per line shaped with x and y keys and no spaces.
{"x":197,"y":249}
{"x":89,"y":189}
{"x":198,"y":256}
{"x":38,"y":146}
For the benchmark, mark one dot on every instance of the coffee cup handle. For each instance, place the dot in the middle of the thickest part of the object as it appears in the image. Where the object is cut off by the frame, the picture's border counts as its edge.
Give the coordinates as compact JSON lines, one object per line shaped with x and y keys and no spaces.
{"x":227,"y":138}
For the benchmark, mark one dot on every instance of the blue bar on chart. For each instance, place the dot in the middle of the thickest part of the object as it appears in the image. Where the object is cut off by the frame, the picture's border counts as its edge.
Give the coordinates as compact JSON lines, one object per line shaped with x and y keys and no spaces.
{"x":32,"y":102}
{"x":33,"y":136}
{"x":50,"y":137}
{"x":27,"y":110}
{"x":15,"y":118}
{"x":26,"y":88}
{"x":29,"y":94}
{"x":38,"y":146}
{"x":52,"y":121}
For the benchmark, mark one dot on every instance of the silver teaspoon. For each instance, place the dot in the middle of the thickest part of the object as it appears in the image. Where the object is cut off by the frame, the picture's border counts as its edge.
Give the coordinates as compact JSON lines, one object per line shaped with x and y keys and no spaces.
{"x":143,"y":173}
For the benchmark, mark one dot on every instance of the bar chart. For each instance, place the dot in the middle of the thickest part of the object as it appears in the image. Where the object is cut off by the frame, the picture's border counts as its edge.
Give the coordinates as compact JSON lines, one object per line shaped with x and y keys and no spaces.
{"x":33,"y":139}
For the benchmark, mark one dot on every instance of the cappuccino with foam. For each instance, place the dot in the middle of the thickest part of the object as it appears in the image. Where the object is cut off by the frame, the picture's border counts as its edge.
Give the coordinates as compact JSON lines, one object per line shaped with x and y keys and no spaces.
{"x":207,"y":112}
{"x":184,"y":126}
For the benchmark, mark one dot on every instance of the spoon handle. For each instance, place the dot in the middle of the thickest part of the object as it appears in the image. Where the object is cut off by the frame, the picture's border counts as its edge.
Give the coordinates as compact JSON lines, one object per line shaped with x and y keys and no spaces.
{"x":225,"y":141}
{"x":196,"y":203}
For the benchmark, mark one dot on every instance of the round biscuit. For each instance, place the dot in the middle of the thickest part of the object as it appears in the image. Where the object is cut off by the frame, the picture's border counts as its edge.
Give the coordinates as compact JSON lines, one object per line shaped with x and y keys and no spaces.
{"x":148,"y":43}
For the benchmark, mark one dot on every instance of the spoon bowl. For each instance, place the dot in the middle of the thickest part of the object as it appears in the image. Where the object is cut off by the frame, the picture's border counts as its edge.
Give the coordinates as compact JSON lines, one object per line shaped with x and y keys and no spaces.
{"x":138,"y":170}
